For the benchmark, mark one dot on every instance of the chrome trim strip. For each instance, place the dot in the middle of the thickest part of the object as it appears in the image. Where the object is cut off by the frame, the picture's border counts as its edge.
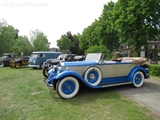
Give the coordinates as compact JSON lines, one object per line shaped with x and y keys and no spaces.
{"x":110,"y":85}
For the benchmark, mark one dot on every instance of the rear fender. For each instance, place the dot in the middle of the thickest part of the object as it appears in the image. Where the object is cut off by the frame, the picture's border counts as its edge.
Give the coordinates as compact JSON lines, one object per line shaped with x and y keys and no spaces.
{"x":134,"y":70}
{"x":76,"y":75}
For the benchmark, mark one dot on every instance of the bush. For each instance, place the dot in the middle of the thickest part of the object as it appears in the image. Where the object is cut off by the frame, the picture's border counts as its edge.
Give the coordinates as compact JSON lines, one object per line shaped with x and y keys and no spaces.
{"x":97,"y":49}
{"x":154,"y":70}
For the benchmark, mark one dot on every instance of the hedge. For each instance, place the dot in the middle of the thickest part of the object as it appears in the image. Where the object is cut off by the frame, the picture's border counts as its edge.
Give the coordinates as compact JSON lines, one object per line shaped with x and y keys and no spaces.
{"x":154,"y":70}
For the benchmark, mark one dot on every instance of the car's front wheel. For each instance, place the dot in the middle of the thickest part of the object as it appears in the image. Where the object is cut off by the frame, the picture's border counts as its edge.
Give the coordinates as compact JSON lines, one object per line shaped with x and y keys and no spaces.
{"x":1,"y":64}
{"x":18,"y":65}
{"x":138,"y":79}
{"x":67,"y":87}
{"x":45,"y":72}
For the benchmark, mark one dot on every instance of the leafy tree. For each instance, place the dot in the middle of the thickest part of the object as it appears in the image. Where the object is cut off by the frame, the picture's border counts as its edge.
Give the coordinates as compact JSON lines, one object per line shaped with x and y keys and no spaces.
{"x":101,"y":31}
{"x":107,"y":28}
{"x":7,"y":39}
{"x":22,"y":44}
{"x":83,"y":43}
{"x":1,"y":39}
{"x":64,"y":44}
{"x":137,"y":21}
{"x":74,"y":48}
{"x":39,"y":41}
{"x":69,"y":43}
{"x":97,"y":49}
{"x":90,"y":36}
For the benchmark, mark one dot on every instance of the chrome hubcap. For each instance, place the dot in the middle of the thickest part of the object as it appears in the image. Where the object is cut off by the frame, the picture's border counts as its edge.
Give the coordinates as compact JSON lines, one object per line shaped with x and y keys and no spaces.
{"x":68,"y":87}
{"x":92,"y":76}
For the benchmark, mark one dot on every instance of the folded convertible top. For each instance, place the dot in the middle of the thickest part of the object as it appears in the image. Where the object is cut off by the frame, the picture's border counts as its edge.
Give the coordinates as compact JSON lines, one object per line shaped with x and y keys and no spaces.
{"x":134,"y":60}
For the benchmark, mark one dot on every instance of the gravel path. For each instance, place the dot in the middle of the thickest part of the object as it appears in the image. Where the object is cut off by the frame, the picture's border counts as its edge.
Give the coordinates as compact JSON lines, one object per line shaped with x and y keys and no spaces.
{"x":148,"y":95}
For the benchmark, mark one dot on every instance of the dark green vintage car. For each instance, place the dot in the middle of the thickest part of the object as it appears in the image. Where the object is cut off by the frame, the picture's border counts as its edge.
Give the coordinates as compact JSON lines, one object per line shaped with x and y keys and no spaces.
{"x":17,"y":63}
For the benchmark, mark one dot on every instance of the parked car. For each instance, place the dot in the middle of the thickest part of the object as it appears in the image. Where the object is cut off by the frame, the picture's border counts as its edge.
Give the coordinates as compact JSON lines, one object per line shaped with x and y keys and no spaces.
{"x":6,"y":58}
{"x":96,"y":73}
{"x":17,"y":63}
{"x":49,"y":63}
{"x":37,"y":58}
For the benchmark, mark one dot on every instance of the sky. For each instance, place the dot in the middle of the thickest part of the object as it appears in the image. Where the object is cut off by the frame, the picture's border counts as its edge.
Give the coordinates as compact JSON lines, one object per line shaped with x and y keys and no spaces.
{"x":52,"y":17}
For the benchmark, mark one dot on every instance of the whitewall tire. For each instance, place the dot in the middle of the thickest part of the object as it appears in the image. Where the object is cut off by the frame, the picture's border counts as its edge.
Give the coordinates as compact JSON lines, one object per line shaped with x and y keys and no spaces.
{"x":1,"y":64}
{"x":68,"y":87}
{"x":138,"y":79}
{"x":93,"y":76}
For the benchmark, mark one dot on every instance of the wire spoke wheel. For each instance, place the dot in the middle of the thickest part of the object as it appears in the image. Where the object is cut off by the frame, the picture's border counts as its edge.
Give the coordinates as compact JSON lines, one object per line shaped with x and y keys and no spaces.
{"x":18,"y":65}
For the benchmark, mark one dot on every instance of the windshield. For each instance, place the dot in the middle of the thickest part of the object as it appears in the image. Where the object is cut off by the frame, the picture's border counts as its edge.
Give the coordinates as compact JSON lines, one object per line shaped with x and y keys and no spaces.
{"x":34,"y":55}
{"x":5,"y":56}
{"x":93,"y":56}
{"x":61,"y":57}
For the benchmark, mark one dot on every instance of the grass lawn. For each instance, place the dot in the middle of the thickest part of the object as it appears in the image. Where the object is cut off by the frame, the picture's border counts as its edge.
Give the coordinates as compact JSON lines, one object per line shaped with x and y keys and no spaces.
{"x":23,"y":96}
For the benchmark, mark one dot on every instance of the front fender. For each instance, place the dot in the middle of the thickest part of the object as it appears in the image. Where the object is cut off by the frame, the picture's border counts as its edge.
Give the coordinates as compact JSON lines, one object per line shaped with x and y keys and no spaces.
{"x":74,"y":74}
{"x":134,"y":70}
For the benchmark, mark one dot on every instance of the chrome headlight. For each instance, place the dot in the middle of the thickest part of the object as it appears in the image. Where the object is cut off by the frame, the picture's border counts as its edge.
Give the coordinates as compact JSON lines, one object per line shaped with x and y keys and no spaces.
{"x":59,"y":69}
{"x":34,"y":61}
{"x":55,"y":68}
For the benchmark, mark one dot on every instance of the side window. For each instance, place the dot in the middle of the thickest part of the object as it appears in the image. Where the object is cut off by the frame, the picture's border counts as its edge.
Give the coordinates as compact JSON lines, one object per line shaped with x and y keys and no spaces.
{"x":26,"y":58}
{"x":41,"y":55}
{"x":12,"y":56}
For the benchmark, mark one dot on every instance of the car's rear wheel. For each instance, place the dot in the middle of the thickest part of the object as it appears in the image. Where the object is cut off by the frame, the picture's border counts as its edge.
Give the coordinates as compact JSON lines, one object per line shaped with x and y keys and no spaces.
{"x":45,"y":72}
{"x":93,"y":76}
{"x":12,"y":64}
{"x":68,"y":87}
{"x":1,"y":64}
{"x":138,"y":79}
{"x":18,"y":65}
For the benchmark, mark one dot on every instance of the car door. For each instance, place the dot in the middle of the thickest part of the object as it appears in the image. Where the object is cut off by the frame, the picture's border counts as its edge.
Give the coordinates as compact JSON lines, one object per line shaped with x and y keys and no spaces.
{"x":123,"y":69}
{"x":108,"y":70}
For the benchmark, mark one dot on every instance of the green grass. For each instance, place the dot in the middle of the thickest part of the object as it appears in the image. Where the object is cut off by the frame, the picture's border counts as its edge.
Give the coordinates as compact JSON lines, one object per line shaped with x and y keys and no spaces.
{"x":23,"y":96}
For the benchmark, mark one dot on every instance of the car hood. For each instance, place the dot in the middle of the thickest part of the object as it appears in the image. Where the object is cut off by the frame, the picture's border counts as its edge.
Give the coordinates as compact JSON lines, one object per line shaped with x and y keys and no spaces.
{"x":49,"y":60}
{"x":2,"y":59}
{"x":79,"y":63}
{"x":52,"y":61}
{"x":55,"y":61}
{"x":17,"y":60}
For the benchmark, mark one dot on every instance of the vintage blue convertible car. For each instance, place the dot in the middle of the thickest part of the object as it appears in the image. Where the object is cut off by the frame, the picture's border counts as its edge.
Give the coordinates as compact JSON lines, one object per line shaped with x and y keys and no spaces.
{"x":95,"y":73}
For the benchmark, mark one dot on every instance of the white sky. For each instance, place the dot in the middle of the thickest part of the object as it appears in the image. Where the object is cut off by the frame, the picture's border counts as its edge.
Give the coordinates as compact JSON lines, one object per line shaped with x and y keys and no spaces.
{"x":52,"y":17}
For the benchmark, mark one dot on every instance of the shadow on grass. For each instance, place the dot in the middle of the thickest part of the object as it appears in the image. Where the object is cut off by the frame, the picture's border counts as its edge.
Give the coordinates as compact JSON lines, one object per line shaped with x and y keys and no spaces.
{"x":87,"y":95}
{"x":26,"y":67}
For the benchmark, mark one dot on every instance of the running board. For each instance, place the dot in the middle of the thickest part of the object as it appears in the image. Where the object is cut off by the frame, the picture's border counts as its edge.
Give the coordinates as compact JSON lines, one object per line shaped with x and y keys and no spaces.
{"x":110,"y":85}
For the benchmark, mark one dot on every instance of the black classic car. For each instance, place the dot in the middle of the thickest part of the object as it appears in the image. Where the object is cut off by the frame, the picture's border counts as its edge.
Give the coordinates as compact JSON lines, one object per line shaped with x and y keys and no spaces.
{"x":17,"y":63}
{"x":6,"y":58}
{"x":49,"y":63}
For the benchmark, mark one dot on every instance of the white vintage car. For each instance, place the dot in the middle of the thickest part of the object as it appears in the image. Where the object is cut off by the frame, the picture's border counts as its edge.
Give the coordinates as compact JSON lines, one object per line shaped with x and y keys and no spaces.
{"x":95,"y":73}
